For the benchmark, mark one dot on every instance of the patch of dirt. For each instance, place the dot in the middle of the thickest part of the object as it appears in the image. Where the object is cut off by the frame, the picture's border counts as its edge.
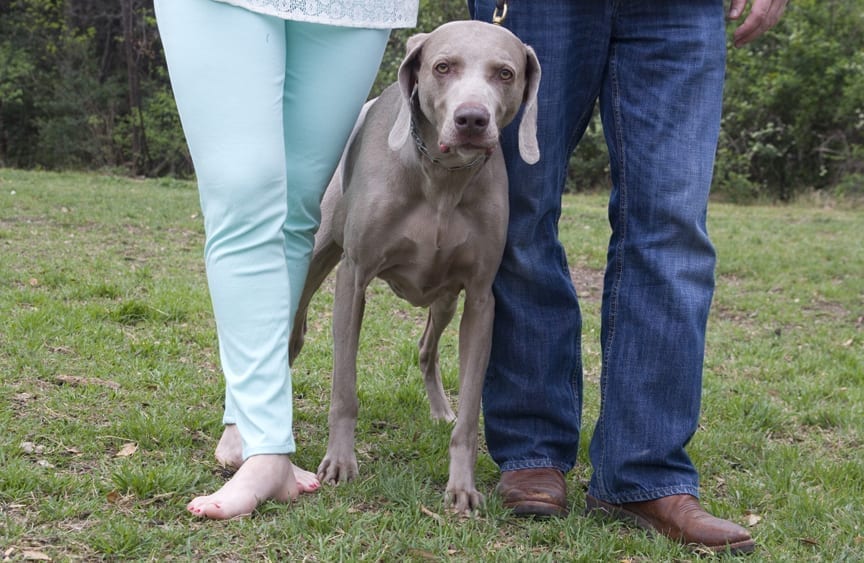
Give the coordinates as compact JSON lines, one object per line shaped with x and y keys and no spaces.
{"x":588,"y":282}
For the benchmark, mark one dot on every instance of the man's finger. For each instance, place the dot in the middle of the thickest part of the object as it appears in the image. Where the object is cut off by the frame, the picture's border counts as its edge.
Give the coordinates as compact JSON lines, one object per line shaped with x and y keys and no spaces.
{"x":764,"y":14}
{"x":736,"y":8}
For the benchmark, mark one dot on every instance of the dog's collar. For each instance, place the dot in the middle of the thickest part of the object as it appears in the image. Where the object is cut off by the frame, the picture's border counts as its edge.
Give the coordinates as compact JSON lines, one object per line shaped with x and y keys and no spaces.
{"x":421,"y":146}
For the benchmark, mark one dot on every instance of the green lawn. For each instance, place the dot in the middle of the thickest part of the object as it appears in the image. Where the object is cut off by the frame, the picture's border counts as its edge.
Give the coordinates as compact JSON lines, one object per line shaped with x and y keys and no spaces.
{"x":110,"y":395}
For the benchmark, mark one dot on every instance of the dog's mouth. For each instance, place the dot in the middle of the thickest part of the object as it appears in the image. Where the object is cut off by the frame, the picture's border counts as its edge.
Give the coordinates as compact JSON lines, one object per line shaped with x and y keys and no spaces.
{"x":469,"y":147}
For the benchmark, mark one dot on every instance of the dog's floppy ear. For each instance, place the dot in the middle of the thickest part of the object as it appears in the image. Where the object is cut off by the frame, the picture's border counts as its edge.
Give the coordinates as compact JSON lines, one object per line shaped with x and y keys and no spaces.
{"x":528,"y":147}
{"x":407,"y":81}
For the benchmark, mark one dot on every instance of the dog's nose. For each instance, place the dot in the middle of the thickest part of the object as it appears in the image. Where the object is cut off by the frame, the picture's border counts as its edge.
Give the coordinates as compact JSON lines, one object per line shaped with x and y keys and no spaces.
{"x":471,"y":119}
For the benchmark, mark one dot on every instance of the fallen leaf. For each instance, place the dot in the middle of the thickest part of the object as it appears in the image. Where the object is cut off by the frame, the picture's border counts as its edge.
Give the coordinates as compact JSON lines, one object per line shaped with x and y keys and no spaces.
{"x":31,"y":448}
{"x":127,"y":450}
{"x":30,"y":555}
{"x":753,"y":519}
{"x":428,"y":512}
{"x":112,"y":497}
{"x":34,"y":282}
{"x":46,"y":464}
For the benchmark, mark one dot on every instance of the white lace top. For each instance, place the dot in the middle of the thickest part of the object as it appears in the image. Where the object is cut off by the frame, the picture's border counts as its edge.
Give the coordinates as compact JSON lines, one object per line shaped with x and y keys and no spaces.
{"x":376,"y":14}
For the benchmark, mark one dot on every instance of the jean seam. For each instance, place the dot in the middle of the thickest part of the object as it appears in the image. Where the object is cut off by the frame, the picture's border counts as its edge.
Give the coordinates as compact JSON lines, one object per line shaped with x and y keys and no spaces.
{"x":648,"y":495}
{"x":618,"y":263}
{"x":538,"y":463}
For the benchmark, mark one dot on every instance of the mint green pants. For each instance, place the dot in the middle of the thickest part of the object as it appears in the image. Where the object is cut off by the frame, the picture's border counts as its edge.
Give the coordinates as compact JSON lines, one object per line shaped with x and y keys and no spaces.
{"x":267,"y":106}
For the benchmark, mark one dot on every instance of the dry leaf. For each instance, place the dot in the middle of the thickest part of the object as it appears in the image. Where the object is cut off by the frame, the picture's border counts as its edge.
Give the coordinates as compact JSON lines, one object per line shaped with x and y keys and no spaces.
{"x":113,"y":497}
{"x":31,"y":448}
{"x":46,"y":464}
{"x":127,"y":450}
{"x":30,"y":555}
{"x":428,"y":512}
{"x":34,"y":282}
{"x":752,"y":519}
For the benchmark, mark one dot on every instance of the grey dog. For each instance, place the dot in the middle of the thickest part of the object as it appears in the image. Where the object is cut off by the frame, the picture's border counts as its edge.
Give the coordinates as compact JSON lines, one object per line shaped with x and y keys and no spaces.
{"x":420,"y":201}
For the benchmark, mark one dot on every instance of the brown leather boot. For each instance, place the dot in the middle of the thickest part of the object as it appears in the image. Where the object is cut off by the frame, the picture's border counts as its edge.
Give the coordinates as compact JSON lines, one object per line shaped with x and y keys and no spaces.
{"x":680,"y":518}
{"x":534,"y":492}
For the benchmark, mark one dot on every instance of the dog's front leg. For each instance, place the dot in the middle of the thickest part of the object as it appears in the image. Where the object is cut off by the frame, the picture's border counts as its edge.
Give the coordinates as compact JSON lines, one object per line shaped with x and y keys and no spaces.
{"x":340,"y":463}
{"x":475,"y":341}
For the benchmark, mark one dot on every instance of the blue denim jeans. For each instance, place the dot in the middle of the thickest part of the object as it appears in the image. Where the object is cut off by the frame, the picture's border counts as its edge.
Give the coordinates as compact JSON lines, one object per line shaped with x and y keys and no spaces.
{"x":657,"y":68}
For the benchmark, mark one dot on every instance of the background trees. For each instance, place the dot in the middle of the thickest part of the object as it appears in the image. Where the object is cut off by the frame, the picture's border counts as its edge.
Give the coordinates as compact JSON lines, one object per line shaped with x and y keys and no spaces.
{"x":83,"y":85}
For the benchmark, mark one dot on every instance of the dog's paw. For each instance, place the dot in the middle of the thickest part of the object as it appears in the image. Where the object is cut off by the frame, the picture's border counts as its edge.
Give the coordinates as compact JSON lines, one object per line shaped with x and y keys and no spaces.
{"x":442,"y":413}
{"x":463,"y":502}
{"x":334,"y":471}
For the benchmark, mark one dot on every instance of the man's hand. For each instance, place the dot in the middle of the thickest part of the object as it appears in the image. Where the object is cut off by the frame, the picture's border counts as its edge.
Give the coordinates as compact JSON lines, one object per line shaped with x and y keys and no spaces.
{"x":764,"y":14}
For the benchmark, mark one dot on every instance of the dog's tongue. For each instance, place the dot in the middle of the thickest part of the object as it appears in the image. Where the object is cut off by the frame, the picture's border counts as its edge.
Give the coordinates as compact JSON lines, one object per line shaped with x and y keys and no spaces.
{"x":443,"y":148}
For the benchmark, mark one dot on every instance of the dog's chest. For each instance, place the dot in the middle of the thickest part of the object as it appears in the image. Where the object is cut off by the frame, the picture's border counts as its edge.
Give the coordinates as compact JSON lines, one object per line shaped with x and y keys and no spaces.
{"x":432,"y":258}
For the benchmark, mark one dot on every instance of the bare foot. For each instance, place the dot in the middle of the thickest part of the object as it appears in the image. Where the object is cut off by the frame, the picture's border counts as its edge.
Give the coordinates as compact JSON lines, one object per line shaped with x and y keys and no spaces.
{"x":229,"y":453}
{"x":229,"y":450}
{"x":260,"y":478}
{"x":307,"y":482}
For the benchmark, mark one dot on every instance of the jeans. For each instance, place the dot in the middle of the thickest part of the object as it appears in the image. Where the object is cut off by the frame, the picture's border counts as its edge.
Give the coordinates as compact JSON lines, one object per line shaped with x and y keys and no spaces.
{"x":267,"y":106}
{"x":657,"y":68}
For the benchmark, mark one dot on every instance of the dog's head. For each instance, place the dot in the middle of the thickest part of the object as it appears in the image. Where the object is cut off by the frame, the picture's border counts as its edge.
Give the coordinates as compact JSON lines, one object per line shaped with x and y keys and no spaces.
{"x":471,"y":78}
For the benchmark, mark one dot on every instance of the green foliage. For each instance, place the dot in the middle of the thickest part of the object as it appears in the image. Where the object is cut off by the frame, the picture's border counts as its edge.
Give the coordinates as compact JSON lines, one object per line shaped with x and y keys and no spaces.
{"x":431,"y":15}
{"x":166,"y":145}
{"x":72,"y":97}
{"x":794,"y":105}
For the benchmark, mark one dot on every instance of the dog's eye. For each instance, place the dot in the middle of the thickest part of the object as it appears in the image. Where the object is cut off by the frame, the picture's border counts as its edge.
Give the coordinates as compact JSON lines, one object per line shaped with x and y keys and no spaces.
{"x":442,"y":68}
{"x":505,"y":74}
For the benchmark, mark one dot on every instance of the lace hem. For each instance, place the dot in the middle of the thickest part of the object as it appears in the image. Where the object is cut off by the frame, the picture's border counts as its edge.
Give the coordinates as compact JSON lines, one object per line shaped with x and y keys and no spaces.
{"x":386,"y":14}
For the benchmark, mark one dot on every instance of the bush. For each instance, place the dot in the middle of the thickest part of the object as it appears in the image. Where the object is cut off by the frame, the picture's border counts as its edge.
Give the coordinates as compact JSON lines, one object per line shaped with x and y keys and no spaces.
{"x":793,"y":112}
{"x":794,"y":104}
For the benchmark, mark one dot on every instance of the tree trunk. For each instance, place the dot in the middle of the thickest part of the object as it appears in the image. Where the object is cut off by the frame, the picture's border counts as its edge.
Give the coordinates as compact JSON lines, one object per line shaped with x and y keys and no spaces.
{"x":139,"y":139}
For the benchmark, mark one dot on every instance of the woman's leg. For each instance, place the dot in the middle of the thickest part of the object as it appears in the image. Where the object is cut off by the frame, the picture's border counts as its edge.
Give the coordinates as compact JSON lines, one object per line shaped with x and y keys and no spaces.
{"x":228,"y":69}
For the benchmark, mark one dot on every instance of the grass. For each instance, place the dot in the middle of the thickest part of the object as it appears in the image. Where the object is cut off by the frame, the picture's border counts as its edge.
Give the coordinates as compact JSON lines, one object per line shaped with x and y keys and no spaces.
{"x":110,"y":395}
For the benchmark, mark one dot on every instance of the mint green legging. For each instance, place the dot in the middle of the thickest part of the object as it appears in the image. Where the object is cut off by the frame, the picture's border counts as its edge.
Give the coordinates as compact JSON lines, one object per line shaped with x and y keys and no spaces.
{"x":267,"y":106}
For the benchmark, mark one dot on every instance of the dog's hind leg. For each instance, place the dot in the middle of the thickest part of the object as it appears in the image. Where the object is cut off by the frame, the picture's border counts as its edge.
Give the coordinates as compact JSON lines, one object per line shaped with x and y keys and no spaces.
{"x":324,"y":260}
{"x":440,"y":314}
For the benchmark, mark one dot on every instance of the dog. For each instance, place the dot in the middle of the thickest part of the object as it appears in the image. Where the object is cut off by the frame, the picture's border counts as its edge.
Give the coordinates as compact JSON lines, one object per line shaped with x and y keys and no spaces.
{"x":420,"y":201}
